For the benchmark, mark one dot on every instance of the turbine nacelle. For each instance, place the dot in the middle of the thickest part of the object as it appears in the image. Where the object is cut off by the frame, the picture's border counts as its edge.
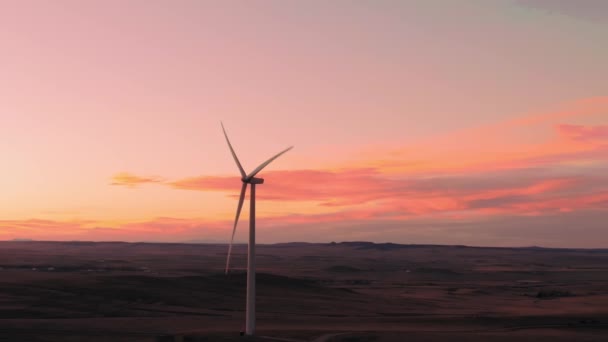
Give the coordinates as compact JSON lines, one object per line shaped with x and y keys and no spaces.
{"x":253,"y":180}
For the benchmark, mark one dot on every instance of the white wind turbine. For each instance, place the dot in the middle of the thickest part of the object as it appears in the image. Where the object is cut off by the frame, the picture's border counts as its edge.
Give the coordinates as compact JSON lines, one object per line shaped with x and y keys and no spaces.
{"x":252,"y":180}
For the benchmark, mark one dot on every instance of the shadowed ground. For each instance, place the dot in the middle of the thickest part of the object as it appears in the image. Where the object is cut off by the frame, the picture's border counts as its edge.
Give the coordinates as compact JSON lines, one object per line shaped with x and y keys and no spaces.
{"x":72,"y":291}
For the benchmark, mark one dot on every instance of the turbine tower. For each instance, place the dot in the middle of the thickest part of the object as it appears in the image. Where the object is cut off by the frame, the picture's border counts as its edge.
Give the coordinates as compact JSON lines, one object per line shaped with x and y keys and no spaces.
{"x":251,"y":180}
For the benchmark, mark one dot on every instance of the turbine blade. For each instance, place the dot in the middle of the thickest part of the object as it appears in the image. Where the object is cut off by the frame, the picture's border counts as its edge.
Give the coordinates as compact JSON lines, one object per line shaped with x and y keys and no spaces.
{"x":238,"y":163}
{"x":264,"y":164}
{"x":236,"y":220}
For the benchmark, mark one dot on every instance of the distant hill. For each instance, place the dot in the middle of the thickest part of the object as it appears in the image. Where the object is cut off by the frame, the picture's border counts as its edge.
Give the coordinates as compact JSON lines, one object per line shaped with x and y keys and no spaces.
{"x":208,"y":241}
{"x":384,"y":246}
{"x":295,"y":244}
{"x":361,"y":245}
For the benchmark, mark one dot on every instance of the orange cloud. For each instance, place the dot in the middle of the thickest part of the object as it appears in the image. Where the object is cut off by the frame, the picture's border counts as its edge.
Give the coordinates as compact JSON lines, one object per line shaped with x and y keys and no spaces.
{"x":131,"y":181}
{"x":36,"y":227}
{"x":159,"y":229}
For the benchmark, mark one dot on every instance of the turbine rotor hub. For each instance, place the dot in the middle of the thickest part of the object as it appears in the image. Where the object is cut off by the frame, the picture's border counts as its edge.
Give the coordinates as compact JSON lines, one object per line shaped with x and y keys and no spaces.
{"x":254,"y":180}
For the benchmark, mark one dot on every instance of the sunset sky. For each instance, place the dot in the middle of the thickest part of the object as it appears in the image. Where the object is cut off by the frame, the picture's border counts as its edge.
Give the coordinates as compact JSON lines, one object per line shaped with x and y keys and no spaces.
{"x":444,"y":122}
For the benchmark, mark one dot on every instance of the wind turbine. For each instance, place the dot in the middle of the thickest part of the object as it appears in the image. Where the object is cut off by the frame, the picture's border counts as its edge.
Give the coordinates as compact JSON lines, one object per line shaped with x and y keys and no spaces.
{"x":251,"y":180}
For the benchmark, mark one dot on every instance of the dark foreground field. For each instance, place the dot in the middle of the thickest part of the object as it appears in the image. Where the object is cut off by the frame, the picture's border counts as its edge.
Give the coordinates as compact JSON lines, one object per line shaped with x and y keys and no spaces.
{"x":80,"y":291}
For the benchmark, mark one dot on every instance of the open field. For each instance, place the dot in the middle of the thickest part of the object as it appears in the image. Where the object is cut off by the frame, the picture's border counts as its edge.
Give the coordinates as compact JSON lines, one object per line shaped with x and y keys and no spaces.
{"x":75,"y":291}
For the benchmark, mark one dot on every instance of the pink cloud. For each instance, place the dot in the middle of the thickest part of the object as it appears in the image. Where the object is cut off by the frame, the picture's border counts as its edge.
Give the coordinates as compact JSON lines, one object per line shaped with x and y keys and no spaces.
{"x":583,"y":133}
{"x":561,"y":172}
{"x":331,"y":187}
{"x":347,"y":190}
{"x":366,"y":193}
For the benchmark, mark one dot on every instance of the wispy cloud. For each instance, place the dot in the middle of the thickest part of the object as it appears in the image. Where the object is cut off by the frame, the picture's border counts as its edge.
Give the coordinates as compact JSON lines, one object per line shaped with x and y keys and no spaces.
{"x":330,"y":187}
{"x":40,"y":227}
{"x":555,"y":181}
{"x":584,"y":134}
{"x":157,"y":229}
{"x":559,"y":167}
{"x":131,"y":181}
